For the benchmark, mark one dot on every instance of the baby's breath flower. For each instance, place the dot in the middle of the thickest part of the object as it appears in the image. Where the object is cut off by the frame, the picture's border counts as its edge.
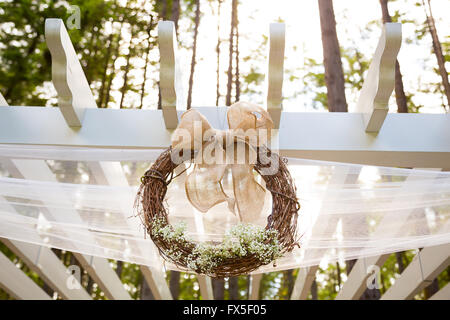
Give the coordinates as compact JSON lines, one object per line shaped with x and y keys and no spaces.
{"x":241,"y":240}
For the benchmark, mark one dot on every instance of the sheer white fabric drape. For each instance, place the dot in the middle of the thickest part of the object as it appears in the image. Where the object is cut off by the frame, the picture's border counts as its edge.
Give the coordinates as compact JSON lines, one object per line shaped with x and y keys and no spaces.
{"x":81,"y":199}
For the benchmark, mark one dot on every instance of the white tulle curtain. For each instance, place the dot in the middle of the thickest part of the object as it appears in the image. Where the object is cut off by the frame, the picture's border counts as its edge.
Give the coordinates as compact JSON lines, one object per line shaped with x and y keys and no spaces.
{"x":81,"y":199}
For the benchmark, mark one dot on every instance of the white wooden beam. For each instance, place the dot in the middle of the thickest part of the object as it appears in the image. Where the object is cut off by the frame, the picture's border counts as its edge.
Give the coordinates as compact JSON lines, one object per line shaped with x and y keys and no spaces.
{"x":275,"y":71}
{"x":443,"y":294}
{"x":255,"y":284}
{"x":74,"y":93}
{"x":205,"y":285}
{"x":356,"y":284}
{"x":3,"y":102}
{"x":303,"y":283}
{"x":17,"y":283}
{"x":424,"y":268}
{"x":380,"y":79}
{"x":106,"y":278}
{"x":48,"y":266}
{"x":172,"y":97}
{"x":96,"y":267}
{"x":111,"y":173}
{"x":407,"y":140}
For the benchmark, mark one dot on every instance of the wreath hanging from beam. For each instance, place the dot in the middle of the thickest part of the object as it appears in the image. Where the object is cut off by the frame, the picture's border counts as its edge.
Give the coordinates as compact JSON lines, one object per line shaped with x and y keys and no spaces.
{"x":209,"y":153}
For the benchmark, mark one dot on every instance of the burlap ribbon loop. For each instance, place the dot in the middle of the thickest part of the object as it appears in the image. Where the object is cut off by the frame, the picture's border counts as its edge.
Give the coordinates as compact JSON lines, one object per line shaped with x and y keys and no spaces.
{"x":218,"y":151}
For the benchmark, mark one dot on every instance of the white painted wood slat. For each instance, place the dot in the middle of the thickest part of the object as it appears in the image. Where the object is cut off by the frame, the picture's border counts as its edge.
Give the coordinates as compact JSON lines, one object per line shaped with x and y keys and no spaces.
{"x":205,"y":285}
{"x":303,"y":282}
{"x":96,"y":267}
{"x":172,"y":97}
{"x":17,"y":283}
{"x":407,"y":140}
{"x":275,"y":71}
{"x":380,"y":79}
{"x":74,"y":93}
{"x":424,"y":268}
{"x":49,"y":268}
{"x":255,"y":283}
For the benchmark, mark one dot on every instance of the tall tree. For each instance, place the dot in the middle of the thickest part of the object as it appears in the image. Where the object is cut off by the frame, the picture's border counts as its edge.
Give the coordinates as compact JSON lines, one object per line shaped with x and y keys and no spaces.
{"x":334,"y":76}
{"x":231,"y":51}
{"x":147,"y":53}
{"x":175,"y":13}
{"x":314,"y":290}
{"x":233,"y":288}
{"x":194,"y":51}
{"x":219,"y":5}
{"x":400,"y":96}
{"x":174,"y":284}
{"x":437,"y":48}
{"x":237,"y":82}
{"x":218,"y":289}
{"x":126,"y":68}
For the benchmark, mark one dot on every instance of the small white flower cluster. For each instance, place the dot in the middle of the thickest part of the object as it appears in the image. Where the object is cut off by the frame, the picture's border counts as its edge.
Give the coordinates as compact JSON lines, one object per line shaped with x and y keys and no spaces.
{"x":240,"y":241}
{"x":175,"y":233}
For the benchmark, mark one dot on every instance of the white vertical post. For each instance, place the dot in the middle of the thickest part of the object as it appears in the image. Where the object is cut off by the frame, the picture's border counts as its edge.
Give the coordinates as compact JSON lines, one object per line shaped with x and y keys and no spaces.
{"x":74,"y":93}
{"x":303,"y":282}
{"x":275,"y":71}
{"x":380,"y":79}
{"x":205,"y":285}
{"x":169,"y":74}
{"x":255,"y":284}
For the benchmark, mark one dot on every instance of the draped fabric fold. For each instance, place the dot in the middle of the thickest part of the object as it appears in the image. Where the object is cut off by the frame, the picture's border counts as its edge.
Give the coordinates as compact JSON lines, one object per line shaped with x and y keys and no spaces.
{"x":81,"y":200}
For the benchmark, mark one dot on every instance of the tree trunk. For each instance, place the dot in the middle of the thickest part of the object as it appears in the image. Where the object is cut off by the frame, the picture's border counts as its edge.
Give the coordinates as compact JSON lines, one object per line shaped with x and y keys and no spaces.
{"x":124,"y":88}
{"x":237,"y":82}
{"x":438,"y":50}
{"x":147,"y":52}
{"x":194,"y":49}
{"x":399,"y":257}
{"x":289,"y":282}
{"x":400,"y":96}
{"x":219,"y":4}
{"x":174,"y":284}
{"x":101,"y":93}
{"x":119,"y":268}
{"x":334,"y":77}
{"x":233,"y":288}
{"x":338,"y":271}
{"x":314,"y":290}
{"x":218,"y":289}
{"x":231,"y":50}
{"x":175,"y":14}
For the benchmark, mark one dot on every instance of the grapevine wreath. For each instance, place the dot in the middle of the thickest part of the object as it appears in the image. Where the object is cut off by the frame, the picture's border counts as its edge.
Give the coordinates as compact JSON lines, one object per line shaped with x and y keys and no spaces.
{"x":245,"y":246}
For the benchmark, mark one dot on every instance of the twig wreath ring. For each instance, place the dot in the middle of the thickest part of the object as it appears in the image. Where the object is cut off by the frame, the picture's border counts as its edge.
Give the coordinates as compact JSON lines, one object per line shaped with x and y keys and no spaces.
{"x":245,"y":246}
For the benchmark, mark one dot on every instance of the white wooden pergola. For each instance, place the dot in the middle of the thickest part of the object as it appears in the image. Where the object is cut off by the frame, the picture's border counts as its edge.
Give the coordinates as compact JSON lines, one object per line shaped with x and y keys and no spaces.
{"x":370,"y":136}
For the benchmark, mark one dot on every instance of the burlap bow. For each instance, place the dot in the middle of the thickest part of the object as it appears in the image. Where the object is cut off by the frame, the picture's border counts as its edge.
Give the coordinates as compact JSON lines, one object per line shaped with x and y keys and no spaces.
{"x":219,"y":151}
